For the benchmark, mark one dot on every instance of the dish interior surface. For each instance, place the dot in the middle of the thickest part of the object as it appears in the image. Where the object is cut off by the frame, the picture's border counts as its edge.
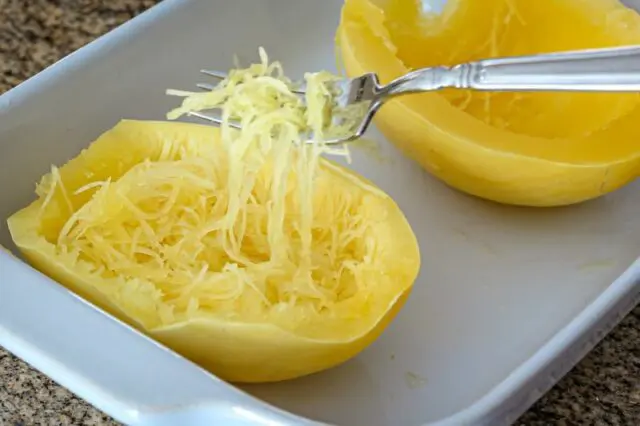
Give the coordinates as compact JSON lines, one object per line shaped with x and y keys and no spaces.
{"x":496,"y":284}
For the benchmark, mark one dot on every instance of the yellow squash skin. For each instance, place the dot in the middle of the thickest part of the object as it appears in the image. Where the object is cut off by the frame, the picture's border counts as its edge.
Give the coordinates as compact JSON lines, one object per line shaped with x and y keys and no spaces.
{"x":236,"y":351}
{"x":560,"y":160}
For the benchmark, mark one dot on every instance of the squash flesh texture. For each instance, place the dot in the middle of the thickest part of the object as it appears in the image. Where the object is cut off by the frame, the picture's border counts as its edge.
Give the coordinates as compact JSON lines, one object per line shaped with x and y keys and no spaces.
{"x":151,"y":192}
{"x":244,"y":341}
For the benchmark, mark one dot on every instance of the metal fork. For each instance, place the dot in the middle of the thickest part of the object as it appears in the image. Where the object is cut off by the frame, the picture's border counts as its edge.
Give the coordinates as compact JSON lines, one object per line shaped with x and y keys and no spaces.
{"x":594,"y":70}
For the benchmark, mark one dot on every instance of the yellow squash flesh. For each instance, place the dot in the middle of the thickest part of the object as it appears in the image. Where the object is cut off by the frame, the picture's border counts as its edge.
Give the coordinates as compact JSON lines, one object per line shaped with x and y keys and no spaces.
{"x":273,"y":348}
{"x":534,"y":149}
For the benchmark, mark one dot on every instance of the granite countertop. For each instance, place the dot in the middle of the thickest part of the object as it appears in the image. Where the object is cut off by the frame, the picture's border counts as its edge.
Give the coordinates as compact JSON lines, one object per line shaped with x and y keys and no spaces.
{"x":604,"y":389}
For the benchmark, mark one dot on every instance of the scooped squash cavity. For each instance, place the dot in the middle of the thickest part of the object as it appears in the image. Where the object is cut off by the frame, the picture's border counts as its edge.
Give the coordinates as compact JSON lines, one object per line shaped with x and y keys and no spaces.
{"x":143,"y":201}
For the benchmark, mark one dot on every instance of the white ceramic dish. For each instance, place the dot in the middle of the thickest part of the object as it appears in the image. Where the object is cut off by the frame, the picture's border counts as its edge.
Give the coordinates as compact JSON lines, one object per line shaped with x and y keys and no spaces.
{"x":507,"y":301}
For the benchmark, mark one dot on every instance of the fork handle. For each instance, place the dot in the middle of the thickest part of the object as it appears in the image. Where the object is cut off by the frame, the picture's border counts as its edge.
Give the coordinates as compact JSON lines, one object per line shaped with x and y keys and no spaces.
{"x":595,"y":70}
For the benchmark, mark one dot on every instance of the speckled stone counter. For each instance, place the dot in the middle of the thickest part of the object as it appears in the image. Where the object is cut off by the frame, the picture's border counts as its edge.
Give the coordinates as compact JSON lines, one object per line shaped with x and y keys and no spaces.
{"x":602,"y":390}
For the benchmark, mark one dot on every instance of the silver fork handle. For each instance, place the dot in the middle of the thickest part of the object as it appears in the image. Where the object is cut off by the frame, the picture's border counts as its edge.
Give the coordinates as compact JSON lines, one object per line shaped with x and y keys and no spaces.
{"x":595,"y":70}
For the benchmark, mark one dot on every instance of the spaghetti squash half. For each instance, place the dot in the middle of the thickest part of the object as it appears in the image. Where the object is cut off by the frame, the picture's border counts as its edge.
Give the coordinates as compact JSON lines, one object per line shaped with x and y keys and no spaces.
{"x":532,"y":149}
{"x":136,"y":225}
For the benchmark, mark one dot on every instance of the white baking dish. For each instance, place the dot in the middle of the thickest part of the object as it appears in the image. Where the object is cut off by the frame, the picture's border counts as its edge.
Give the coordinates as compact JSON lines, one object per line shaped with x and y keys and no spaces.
{"x":507,"y":301}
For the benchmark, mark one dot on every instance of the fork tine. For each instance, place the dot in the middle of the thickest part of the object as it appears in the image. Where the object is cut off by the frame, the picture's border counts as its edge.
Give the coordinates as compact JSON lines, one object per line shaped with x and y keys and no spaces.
{"x":217,"y":120}
{"x":298,"y":91}
{"x":205,"y":86}
{"x":215,"y":74}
